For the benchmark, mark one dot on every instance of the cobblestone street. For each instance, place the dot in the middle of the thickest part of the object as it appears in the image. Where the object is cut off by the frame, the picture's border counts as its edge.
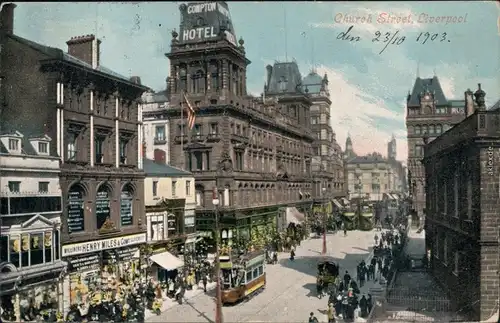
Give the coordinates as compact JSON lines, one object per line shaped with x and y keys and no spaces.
{"x":290,"y":293}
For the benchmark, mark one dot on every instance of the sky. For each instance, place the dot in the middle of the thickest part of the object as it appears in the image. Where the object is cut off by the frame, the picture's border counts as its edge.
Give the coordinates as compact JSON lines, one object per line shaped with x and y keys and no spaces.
{"x":368,"y":88}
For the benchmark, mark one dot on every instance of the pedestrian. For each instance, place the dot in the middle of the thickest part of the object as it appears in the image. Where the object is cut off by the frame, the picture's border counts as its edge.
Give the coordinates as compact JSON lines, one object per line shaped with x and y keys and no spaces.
{"x":369,"y":303}
{"x":319,"y":287}
{"x":347,"y":279}
{"x":371,"y":270}
{"x":312,"y":318}
{"x":363,"y":305}
{"x":367,"y":271}
{"x":331,"y":313}
{"x":345,"y":230}
{"x":205,"y":281}
{"x":361,"y":277}
{"x":292,"y":254}
{"x":275,"y":257}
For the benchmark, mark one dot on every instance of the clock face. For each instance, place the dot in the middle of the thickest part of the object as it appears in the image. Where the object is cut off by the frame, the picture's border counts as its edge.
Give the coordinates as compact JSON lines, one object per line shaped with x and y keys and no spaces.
{"x":426,"y":97}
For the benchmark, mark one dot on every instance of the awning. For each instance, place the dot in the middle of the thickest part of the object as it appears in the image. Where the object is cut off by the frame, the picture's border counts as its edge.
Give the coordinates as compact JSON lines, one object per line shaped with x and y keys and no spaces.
{"x":337,"y":204}
{"x":191,"y":240}
{"x":294,"y":216}
{"x":167,"y":261}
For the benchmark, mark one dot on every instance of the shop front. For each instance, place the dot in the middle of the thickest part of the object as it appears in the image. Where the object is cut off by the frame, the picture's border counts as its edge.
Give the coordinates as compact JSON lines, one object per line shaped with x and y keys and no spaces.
{"x":31,"y":271}
{"x":101,"y":270}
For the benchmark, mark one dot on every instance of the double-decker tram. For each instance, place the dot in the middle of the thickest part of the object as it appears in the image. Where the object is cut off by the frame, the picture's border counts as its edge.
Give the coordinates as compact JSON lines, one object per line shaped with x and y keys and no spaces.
{"x":242,"y":276}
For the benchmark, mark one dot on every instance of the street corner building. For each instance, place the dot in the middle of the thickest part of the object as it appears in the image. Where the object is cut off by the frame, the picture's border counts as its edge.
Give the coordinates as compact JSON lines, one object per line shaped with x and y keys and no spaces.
{"x":254,"y":152}
{"x":462,"y":169}
{"x":429,"y":114}
{"x":92,"y":116}
{"x":31,"y":269}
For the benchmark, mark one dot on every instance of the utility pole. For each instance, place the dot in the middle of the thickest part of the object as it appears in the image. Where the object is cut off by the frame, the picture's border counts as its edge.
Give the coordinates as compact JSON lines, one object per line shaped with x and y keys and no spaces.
{"x":324,"y":221}
{"x":218,"y":296}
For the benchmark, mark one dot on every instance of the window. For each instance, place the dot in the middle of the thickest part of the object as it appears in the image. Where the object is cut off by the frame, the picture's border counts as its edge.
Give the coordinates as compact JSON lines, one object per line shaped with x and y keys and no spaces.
{"x":4,"y":249}
{"x":123,"y":151}
{"x":76,"y":200}
{"x":445,"y":250}
{"x":249,"y":277}
{"x":238,"y":160}
{"x":425,"y":130}
{"x":197,"y":130}
{"x":43,"y":147}
{"x":174,"y":184}
{"x":188,"y":188}
{"x":418,"y":130}
{"x":14,"y":187}
{"x":71,"y":146}
{"x":214,"y":129}
{"x":456,"y":263}
{"x":103,"y":207}
{"x":183,"y":78}
{"x":198,"y":82}
{"x":198,"y":156}
{"x":439,"y":129}
{"x":43,"y":187}
{"x":99,"y":149}
{"x":432,"y":129}
{"x":214,"y":73}
{"x":155,"y":188}
{"x":160,"y":134}
{"x":31,"y":249}
{"x":13,"y":144}
{"x":157,"y":228}
{"x":126,"y":205}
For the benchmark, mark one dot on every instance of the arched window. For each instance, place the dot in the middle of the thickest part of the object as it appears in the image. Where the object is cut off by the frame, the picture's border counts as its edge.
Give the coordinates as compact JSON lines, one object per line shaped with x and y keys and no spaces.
{"x":214,"y":74}
{"x":439,"y":129}
{"x":199,"y":195}
{"x":126,"y":205}
{"x":102,"y":206}
{"x":235,"y":76}
{"x":418,"y":130}
{"x":425,"y":130}
{"x":182,"y":78}
{"x":432,"y":129}
{"x":75,"y":217}
{"x":227,"y":197}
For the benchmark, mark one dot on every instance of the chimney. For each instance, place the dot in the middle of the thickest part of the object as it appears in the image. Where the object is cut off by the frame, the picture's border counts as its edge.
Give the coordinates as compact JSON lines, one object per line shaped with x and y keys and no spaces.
{"x":7,"y":18}
{"x":269,"y":69}
{"x":160,"y":156}
{"x":135,"y":79}
{"x":85,"y":48}
{"x":469,"y":103}
{"x":480,"y":94}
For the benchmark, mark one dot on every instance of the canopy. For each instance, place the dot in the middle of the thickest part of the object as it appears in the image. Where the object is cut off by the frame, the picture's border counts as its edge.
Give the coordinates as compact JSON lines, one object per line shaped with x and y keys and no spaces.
{"x":167,"y":261}
{"x":294,"y":216}
{"x":337,"y":203}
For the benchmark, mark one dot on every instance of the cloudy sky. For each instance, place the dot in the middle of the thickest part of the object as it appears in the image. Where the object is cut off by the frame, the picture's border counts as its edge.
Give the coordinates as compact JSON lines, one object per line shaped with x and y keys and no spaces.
{"x":368,"y":88}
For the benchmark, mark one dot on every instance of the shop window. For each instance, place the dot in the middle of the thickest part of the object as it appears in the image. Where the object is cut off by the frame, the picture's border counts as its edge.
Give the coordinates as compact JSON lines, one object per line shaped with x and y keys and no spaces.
{"x":4,"y":249}
{"x":25,"y":250}
{"x":126,"y":205}
{"x":15,"y":248}
{"x":102,"y":206}
{"x":75,"y":217}
{"x":48,"y":246}
{"x":36,"y":250}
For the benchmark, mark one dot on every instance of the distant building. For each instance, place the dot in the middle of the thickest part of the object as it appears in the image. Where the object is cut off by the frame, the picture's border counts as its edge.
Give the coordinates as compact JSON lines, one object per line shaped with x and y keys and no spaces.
{"x":429,"y":113}
{"x":156,"y":127}
{"x":327,"y":163}
{"x":349,"y":150}
{"x":170,"y":215}
{"x":462,"y":168}
{"x":30,"y":222}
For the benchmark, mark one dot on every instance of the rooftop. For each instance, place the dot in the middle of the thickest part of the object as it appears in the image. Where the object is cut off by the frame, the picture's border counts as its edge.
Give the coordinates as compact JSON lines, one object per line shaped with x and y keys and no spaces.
{"x":431,"y":85}
{"x":152,"y":168}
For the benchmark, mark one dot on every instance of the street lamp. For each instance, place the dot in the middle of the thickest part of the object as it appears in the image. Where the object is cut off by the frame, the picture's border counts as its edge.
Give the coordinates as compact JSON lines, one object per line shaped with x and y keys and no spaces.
{"x":324,"y":222}
{"x":218,"y":296}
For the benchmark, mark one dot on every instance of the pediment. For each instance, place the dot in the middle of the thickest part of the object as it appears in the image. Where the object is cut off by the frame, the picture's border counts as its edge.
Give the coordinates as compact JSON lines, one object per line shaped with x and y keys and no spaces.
{"x":38,"y":222}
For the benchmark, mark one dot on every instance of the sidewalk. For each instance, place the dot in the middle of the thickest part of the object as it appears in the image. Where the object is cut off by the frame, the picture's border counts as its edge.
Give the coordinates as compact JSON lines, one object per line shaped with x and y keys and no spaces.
{"x":168,"y":303}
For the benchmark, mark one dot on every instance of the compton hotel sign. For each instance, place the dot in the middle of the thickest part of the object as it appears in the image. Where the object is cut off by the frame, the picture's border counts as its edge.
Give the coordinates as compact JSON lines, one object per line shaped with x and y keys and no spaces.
{"x":104,"y":244}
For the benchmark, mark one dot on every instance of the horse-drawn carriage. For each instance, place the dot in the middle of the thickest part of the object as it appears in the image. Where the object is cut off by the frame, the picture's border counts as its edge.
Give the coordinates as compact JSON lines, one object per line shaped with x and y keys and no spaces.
{"x":328,"y":271}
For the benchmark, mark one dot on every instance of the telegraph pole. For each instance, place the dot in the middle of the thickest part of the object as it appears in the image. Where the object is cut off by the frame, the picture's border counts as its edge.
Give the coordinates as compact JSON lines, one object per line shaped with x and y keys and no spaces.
{"x":218,"y":296}
{"x":324,"y":222}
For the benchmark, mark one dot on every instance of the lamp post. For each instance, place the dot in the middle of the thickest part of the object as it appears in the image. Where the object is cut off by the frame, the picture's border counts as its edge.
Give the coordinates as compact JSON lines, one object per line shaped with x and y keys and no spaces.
{"x":218,"y":296}
{"x":324,"y":222}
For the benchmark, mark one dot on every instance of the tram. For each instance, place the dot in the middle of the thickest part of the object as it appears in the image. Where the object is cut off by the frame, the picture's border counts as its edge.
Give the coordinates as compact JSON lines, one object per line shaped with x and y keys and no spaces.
{"x":242,"y":276}
{"x":366,"y":219}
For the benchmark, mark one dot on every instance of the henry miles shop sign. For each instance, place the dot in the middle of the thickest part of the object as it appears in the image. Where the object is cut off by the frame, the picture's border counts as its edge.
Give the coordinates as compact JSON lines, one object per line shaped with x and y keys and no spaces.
{"x":201,"y":22}
{"x":99,"y":245}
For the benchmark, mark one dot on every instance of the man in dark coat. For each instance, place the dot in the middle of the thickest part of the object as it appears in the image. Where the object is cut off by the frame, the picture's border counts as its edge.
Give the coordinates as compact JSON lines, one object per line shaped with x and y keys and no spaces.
{"x":363,"y":306}
{"x":369,"y":303}
{"x":347,"y":279}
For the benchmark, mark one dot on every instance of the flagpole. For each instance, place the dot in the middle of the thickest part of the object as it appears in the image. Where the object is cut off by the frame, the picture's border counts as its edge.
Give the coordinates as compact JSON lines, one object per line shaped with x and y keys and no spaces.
{"x":182,"y":128}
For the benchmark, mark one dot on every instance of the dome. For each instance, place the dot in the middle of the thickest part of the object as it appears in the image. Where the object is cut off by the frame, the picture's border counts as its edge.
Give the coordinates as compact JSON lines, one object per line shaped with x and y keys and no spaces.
{"x":312,"y":82}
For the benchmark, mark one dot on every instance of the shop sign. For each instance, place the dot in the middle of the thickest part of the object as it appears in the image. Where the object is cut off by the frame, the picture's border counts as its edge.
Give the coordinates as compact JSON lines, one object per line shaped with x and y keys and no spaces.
{"x":84,"y":263}
{"x":104,"y":244}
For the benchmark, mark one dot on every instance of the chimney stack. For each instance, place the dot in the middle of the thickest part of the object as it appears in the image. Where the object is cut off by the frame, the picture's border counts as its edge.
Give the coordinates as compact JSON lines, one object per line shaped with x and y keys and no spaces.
{"x":135,"y":79}
{"x":85,"y":48}
{"x":469,"y":103}
{"x":269,"y":69}
{"x":480,"y":94}
{"x":7,"y":18}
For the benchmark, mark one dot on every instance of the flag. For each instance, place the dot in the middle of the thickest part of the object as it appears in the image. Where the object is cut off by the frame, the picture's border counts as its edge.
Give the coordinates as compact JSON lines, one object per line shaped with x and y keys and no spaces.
{"x":191,"y":115}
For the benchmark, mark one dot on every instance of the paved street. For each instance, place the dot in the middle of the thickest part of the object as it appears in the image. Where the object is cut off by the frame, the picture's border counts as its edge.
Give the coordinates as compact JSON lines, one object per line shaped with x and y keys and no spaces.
{"x":290,"y":294}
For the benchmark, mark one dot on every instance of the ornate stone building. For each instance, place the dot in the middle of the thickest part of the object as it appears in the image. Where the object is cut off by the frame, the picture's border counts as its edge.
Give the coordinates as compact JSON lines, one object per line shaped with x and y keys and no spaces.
{"x":91,"y":113}
{"x":429,"y":113}
{"x":462,"y":224}
{"x":255,"y":152}
{"x":327,"y":162}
